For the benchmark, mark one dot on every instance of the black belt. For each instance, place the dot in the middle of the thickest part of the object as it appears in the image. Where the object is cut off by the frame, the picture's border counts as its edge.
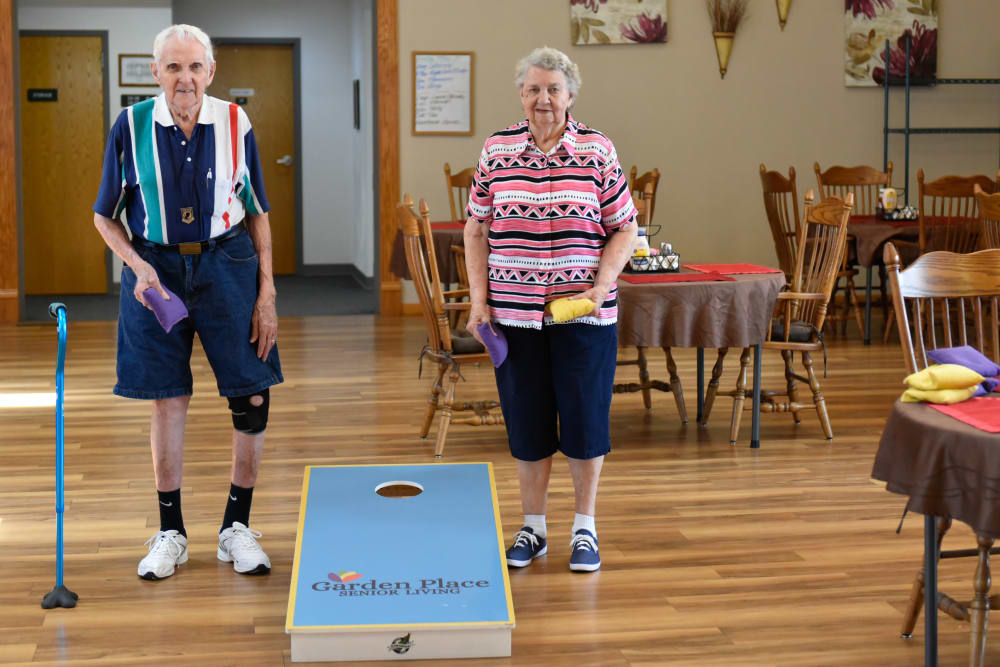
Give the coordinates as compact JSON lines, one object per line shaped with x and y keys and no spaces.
{"x":196,"y":247}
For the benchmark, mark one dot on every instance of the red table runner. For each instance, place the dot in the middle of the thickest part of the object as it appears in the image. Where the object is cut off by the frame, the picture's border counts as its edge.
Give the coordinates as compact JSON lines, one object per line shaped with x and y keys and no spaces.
{"x":732,"y":269}
{"x":638,"y":278}
{"x":982,"y":412}
{"x":451,"y":224}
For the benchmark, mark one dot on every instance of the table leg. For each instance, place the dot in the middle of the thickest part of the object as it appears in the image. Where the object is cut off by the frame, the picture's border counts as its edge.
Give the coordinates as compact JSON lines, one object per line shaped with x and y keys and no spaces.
{"x":755,"y":426}
{"x":701,"y":382}
{"x":868,"y":306}
{"x":930,"y":589}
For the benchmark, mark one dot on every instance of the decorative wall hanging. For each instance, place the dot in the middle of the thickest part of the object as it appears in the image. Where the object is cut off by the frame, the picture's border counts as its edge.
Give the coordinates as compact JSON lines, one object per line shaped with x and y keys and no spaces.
{"x":783,"y":6}
{"x":617,"y":21}
{"x":868,"y":23}
{"x":725,"y":16}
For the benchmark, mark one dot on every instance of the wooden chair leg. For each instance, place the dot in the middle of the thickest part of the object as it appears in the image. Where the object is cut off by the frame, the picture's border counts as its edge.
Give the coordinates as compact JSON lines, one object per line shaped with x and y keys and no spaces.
{"x":675,"y":386}
{"x":713,"y":386}
{"x":788,"y":356}
{"x":980,"y":605}
{"x":449,"y":399}
{"x":916,"y":603}
{"x":889,"y":324}
{"x":739,"y":396}
{"x":432,"y":401}
{"x":883,"y":280}
{"x":644,"y":378}
{"x":855,"y":305}
{"x":818,"y":400}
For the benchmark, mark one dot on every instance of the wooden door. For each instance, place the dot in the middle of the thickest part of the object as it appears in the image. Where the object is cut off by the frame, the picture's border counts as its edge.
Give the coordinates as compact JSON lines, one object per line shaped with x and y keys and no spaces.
{"x":62,"y":150}
{"x":267,"y":70}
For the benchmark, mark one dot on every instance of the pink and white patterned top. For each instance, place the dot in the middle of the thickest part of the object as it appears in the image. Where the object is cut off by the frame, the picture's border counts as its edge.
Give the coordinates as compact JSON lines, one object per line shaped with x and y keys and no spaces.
{"x":550,"y":216}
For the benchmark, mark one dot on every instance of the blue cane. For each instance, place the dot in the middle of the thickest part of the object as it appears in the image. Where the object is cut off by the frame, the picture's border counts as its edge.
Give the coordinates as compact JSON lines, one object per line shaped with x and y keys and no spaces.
{"x":60,"y":596}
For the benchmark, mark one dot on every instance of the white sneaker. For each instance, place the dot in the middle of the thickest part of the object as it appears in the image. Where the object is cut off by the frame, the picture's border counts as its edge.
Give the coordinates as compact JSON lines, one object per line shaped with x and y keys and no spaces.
{"x":167,"y":549}
{"x":238,"y":545}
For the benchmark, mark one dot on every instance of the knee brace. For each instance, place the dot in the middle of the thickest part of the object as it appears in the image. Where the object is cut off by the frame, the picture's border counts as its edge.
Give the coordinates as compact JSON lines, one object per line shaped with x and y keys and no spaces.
{"x":247,"y":417}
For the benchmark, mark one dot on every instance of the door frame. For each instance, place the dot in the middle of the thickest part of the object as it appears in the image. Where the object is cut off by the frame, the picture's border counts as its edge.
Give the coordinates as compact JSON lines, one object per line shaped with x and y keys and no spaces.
{"x":103,"y":34}
{"x":296,"y":44}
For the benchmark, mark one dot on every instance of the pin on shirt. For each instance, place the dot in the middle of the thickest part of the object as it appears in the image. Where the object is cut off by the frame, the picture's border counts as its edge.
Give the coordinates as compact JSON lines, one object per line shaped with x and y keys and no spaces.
{"x":187,"y":214}
{"x":208,"y":179}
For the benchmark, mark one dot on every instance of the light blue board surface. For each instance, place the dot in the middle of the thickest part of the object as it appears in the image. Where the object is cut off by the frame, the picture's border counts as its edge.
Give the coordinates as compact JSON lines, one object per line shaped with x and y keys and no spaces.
{"x":404,"y":545}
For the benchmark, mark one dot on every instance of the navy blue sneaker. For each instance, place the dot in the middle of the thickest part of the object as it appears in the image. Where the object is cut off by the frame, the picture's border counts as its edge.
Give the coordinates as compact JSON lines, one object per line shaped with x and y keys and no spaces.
{"x":526,"y":547}
{"x":584,"y":557}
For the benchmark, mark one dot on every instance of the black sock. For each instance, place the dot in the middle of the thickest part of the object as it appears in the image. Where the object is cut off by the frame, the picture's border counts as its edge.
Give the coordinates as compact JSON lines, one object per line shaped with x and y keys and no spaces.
{"x":237,"y":507}
{"x":170,"y":511}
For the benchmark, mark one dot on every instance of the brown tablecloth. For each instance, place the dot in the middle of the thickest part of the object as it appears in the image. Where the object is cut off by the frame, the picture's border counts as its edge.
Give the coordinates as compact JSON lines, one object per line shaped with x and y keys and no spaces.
{"x":443,"y":240}
{"x":946,"y":467}
{"x":702,"y":314}
{"x":870,"y":233}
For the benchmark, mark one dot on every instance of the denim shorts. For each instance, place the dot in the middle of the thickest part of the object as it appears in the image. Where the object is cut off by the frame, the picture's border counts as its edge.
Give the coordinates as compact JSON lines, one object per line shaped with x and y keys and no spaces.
{"x":219,"y":288}
{"x":555,"y":389}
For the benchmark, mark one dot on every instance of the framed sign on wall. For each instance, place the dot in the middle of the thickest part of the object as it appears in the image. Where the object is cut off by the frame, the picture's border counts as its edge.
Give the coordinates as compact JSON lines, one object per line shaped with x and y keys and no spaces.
{"x":133,"y":70}
{"x":442,"y":92}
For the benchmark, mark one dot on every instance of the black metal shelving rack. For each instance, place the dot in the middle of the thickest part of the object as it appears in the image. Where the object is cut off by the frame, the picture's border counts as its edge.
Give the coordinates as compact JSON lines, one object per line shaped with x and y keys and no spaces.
{"x":906,"y":130}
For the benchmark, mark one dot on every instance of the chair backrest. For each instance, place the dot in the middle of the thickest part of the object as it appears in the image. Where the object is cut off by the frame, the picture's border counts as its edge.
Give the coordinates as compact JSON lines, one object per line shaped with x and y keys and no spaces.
{"x":864,"y":182}
{"x":951,"y":202}
{"x":641,"y":190}
{"x":821,"y":252}
{"x":956,"y":294}
{"x":418,"y":242}
{"x":458,"y":190}
{"x":463,"y":270}
{"x":989,"y":217}
{"x":781,"y":203}
{"x":643,"y":202}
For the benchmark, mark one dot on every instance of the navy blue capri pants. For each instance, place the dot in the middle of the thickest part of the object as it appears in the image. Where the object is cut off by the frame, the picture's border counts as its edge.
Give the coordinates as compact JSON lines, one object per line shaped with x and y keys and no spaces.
{"x":555,"y":389}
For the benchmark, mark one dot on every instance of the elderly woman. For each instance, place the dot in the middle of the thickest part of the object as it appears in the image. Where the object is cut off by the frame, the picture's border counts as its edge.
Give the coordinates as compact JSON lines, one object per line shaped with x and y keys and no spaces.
{"x":551,"y":216}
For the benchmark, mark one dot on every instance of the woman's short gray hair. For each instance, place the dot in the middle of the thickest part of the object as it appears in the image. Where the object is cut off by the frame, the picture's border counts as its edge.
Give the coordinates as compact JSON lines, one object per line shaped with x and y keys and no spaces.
{"x":553,"y":60}
{"x":183,"y":31}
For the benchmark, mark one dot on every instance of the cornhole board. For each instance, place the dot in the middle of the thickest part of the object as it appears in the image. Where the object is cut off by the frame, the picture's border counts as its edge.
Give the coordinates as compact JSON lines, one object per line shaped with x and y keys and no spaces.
{"x":377,"y":578}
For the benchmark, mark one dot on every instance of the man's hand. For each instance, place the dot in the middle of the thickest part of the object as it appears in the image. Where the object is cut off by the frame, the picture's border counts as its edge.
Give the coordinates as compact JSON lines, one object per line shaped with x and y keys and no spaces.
{"x":264,"y":325}
{"x":145,"y":277}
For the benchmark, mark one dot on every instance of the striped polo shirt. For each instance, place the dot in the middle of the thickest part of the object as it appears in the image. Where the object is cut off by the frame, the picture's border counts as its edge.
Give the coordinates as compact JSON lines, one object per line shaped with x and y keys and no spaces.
{"x":549,"y":216}
{"x":172,"y":189}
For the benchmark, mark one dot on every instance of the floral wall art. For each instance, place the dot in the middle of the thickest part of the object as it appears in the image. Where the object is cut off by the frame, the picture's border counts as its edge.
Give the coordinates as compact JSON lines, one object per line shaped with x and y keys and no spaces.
{"x":617,"y":21}
{"x":868,"y":23}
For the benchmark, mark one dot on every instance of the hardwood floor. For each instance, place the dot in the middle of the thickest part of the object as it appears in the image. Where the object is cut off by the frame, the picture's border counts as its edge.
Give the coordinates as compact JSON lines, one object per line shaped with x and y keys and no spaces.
{"x":713,"y":555}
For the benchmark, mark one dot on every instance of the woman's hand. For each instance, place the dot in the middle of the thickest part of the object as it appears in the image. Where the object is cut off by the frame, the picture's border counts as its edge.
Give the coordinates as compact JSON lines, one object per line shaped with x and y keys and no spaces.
{"x":145,"y":277}
{"x":478,"y":315}
{"x":595,"y":294}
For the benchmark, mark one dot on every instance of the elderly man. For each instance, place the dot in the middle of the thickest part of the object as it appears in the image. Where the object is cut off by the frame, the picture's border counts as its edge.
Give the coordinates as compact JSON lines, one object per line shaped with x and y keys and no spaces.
{"x":184,"y":169}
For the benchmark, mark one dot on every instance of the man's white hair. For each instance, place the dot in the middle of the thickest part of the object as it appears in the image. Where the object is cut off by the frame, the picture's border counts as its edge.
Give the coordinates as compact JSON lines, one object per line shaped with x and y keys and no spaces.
{"x":183,"y":31}
{"x":546,"y":57}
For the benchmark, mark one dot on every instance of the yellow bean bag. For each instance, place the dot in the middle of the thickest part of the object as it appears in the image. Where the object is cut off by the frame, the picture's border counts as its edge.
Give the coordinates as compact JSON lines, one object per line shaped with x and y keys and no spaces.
{"x":943,"y":376}
{"x":938,"y":395}
{"x":566,"y":309}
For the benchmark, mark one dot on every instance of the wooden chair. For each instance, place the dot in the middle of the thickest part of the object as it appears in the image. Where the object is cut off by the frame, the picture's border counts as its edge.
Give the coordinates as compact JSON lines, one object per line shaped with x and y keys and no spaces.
{"x":458,"y":190}
{"x":864,"y":183}
{"x":781,"y":204}
{"x":957,"y":295}
{"x":458,"y":252}
{"x":643,"y":189}
{"x":989,"y":217}
{"x":800,"y":312}
{"x":951,"y":197}
{"x":644,"y":207}
{"x":446,"y":348}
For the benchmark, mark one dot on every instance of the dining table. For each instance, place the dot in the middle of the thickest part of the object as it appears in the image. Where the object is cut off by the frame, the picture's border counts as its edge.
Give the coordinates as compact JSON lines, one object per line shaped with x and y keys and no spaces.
{"x":949,"y":468}
{"x":446,"y":234}
{"x":727,"y":310}
{"x":871,"y":232}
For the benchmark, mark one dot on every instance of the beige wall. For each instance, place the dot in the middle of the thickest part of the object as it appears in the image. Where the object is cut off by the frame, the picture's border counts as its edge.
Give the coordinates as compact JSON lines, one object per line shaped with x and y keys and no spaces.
{"x":783,"y":102}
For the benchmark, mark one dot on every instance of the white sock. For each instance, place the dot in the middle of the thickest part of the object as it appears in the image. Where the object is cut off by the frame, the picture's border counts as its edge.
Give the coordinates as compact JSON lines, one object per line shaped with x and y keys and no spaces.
{"x":536,"y":522}
{"x":586,"y":522}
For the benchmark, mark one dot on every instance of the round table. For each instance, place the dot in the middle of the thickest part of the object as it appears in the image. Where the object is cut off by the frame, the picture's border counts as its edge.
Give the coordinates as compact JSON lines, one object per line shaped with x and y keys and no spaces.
{"x":948,"y":469}
{"x":718,"y":314}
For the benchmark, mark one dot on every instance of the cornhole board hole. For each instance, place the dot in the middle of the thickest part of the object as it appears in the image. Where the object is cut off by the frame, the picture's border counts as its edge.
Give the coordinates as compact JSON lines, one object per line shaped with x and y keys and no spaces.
{"x":381,"y":574}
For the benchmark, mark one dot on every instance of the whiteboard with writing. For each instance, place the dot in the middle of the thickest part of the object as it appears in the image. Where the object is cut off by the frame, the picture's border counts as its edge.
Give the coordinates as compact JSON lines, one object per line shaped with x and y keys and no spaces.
{"x":442,"y":92}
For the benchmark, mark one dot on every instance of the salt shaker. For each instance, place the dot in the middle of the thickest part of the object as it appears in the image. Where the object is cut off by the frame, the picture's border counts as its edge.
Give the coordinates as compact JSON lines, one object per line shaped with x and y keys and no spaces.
{"x":671,"y":260}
